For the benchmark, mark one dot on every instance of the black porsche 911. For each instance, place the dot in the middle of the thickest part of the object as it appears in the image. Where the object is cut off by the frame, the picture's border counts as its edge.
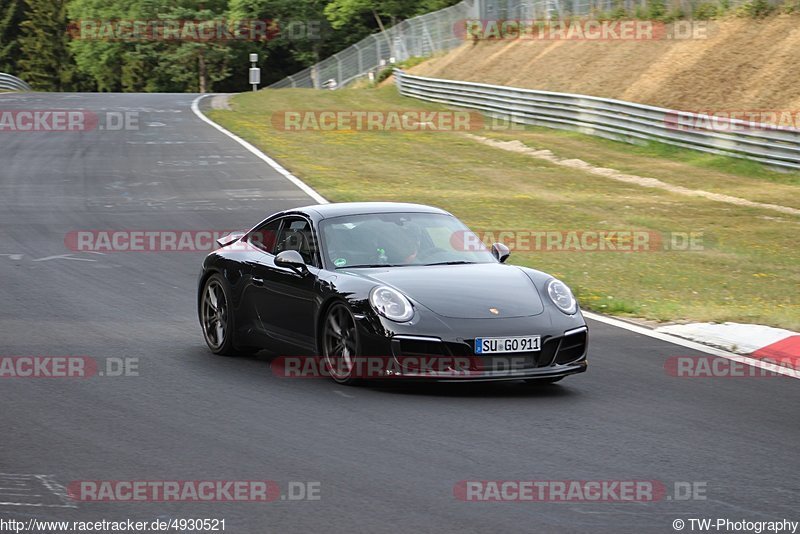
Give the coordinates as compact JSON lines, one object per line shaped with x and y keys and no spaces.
{"x":349,"y":282}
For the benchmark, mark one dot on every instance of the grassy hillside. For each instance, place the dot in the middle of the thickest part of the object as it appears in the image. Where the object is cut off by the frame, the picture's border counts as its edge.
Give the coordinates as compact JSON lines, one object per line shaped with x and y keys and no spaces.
{"x":743,"y":64}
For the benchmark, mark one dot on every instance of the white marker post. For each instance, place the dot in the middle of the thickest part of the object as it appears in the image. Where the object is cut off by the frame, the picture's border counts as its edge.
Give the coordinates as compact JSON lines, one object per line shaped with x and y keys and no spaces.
{"x":255,"y":72}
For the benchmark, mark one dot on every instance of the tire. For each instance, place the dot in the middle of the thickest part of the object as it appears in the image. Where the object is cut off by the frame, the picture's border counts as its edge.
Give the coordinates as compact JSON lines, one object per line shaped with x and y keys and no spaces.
{"x":340,"y":344}
{"x":216,"y":319}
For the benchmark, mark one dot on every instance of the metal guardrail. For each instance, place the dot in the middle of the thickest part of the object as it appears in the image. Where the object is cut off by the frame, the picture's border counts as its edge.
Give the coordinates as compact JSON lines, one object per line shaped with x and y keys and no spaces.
{"x":12,"y":83}
{"x":418,"y":36}
{"x":438,"y":31}
{"x":614,"y":119}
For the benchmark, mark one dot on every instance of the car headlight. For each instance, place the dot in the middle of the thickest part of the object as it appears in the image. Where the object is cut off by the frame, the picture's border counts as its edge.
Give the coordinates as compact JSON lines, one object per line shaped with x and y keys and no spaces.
{"x":391,"y":304}
{"x":561,"y":296}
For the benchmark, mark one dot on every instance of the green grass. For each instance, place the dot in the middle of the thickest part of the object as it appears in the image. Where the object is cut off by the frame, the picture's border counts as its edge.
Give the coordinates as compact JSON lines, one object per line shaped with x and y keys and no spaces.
{"x":675,"y":165}
{"x":747,"y":271}
{"x":735,"y":166}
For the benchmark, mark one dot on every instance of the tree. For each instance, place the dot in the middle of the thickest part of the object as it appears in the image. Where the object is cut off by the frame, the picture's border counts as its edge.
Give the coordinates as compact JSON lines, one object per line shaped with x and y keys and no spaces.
{"x":78,"y":44}
{"x":342,"y":13}
{"x":45,"y":61}
{"x":198,"y":64}
{"x":302,"y":36}
{"x":11,"y":15}
{"x":349,"y":13}
{"x":149,"y":61}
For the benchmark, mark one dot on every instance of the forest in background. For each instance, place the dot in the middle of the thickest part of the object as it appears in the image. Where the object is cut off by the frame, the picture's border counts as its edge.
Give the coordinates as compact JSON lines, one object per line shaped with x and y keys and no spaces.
{"x":91,"y":45}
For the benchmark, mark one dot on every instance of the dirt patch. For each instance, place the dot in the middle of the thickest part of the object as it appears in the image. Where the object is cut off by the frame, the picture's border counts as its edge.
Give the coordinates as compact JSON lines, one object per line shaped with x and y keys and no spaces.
{"x":221,"y":102}
{"x":387,"y":81}
{"x":613,"y":174}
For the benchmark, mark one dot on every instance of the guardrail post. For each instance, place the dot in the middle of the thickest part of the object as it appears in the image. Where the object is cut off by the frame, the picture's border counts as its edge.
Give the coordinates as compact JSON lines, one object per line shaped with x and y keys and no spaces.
{"x":358,"y":54}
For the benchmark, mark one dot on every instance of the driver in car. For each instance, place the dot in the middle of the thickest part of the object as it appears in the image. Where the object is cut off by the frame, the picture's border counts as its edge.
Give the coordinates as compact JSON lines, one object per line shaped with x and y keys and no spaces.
{"x":405,"y":246}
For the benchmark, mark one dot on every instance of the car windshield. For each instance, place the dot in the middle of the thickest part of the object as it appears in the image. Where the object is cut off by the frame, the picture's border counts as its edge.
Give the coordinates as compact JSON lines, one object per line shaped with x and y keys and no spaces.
{"x":400,"y":239}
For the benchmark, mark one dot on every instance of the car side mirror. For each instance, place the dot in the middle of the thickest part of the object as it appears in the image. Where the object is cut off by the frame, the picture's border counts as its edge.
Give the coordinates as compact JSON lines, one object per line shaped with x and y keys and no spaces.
{"x":291,"y":259}
{"x":501,"y":252}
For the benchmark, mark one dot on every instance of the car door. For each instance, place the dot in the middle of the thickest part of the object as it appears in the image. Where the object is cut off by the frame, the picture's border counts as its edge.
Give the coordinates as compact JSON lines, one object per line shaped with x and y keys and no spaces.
{"x":284,"y":298}
{"x":260,"y":247}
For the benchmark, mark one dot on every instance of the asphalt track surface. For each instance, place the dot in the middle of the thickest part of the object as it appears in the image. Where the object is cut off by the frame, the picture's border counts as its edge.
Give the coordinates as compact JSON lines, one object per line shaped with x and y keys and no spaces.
{"x":387,"y":458}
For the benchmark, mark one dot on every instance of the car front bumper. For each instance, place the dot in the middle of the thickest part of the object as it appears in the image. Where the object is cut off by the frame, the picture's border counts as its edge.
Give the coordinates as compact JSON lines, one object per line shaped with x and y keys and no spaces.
{"x":555,"y":371}
{"x":418,"y":355}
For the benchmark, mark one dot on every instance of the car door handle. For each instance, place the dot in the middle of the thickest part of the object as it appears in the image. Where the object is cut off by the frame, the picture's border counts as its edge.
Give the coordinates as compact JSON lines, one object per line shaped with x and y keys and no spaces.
{"x":258,"y":281}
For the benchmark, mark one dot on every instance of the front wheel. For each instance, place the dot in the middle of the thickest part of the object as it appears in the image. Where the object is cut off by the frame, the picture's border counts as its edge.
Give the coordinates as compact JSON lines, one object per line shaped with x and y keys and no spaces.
{"x":340,"y":344}
{"x":216,"y":317}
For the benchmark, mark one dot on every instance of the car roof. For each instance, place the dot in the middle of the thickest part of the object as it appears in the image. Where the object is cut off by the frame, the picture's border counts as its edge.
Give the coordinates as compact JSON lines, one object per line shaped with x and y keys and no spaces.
{"x":326,"y":211}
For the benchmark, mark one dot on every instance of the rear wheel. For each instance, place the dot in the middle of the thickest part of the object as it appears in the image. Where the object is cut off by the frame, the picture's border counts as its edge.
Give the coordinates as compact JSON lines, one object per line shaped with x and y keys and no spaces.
{"x":216,"y":317}
{"x":340,"y":344}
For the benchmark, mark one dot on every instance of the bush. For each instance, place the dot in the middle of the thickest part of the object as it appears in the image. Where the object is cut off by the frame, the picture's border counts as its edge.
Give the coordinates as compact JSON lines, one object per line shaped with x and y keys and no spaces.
{"x":598,"y":14}
{"x":411,"y":62}
{"x":791,"y":7}
{"x":676,"y":13}
{"x":619,"y":13}
{"x":656,"y":9}
{"x":706,"y":11}
{"x":755,"y":9}
{"x":382,"y":75}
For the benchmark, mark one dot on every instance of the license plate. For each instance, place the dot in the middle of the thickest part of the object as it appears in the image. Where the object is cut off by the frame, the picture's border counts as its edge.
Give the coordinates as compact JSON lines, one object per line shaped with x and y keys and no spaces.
{"x":500,"y":345}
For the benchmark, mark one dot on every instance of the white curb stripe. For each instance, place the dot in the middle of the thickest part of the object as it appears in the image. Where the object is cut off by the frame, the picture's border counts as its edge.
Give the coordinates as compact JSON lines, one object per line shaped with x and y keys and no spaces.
{"x":735,"y":337}
{"x":593,"y":316}
{"x":793,"y":373}
{"x":268,"y":160}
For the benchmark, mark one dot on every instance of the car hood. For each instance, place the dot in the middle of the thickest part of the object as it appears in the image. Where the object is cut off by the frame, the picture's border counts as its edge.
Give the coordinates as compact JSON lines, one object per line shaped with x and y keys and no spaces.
{"x":466,"y":291}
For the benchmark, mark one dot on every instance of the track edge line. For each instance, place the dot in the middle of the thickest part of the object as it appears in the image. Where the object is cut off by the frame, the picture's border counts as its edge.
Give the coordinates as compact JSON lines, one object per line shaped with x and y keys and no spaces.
{"x":304,"y":187}
{"x":792,"y":373}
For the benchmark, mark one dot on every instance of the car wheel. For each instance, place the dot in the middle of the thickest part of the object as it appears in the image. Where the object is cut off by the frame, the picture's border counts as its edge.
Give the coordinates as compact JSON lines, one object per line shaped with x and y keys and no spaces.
{"x":340,"y":344}
{"x":543,"y":381}
{"x":216,"y":317}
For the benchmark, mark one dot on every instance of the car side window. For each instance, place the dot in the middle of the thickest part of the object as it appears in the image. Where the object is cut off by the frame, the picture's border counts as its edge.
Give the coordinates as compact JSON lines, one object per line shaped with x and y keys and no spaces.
{"x":264,"y":237}
{"x":296,"y":234}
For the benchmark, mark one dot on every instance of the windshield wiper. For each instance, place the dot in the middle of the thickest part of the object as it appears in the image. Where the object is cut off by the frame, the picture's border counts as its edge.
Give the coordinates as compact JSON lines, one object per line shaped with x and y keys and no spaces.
{"x":458,"y":262}
{"x":373,"y":265}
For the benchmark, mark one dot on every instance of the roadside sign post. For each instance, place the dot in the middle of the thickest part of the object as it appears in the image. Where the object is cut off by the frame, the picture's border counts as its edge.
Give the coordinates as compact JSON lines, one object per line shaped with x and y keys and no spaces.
{"x":255,"y":72}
